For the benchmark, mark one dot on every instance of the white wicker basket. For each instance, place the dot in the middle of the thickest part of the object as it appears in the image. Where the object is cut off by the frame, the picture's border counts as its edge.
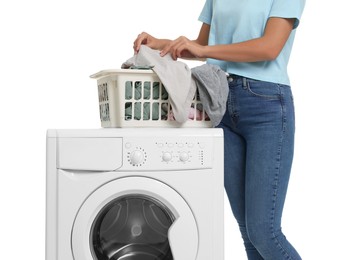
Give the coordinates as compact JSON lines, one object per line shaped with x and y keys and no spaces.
{"x":137,"y":98}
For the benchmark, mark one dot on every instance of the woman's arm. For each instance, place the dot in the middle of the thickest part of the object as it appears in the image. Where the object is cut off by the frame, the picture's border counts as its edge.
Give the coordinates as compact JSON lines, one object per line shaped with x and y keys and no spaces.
{"x":264,"y":48}
{"x":203,"y":35}
{"x":160,"y":44}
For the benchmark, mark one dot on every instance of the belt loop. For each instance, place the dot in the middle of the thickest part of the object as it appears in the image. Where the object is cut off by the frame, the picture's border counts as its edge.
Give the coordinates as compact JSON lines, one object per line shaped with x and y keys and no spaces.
{"x":244,"y":83}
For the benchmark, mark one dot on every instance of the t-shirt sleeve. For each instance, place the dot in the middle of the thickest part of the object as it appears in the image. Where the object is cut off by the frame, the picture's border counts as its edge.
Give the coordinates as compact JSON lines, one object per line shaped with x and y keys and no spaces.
{"x":288,"y":9}
{"x":206,"y":13}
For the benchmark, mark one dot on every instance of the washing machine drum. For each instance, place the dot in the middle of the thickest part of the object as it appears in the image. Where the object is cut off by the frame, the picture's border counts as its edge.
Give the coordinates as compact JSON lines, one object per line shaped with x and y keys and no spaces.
{"x":132,"y":228}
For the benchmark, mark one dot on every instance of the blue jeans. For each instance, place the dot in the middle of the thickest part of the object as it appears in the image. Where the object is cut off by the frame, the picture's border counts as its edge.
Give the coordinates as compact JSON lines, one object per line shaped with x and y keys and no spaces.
{"x":258,"y":141}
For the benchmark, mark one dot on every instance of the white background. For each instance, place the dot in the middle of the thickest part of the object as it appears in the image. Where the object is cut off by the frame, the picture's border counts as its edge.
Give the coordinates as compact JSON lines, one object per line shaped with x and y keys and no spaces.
{"x":48,"y":49}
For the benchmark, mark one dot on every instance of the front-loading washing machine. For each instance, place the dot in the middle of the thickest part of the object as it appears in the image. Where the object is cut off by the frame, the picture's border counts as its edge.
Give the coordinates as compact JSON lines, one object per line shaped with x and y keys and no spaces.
{"x":135,"y":194}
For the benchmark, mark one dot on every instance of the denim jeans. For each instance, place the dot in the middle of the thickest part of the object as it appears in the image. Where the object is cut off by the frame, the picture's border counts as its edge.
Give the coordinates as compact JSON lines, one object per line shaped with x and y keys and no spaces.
{"x":259,"y":139}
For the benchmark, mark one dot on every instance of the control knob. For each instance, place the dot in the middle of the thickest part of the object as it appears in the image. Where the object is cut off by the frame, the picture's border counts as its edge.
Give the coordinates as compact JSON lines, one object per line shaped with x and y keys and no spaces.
{"x":137,"y":157}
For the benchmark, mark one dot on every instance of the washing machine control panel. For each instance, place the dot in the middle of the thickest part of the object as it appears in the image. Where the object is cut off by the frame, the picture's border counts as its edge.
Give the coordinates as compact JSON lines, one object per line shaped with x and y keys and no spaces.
{"x":166,"y":153}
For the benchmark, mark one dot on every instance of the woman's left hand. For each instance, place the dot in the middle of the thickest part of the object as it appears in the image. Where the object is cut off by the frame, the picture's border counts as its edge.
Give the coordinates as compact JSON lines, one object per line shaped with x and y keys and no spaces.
{"x":182,"y":47}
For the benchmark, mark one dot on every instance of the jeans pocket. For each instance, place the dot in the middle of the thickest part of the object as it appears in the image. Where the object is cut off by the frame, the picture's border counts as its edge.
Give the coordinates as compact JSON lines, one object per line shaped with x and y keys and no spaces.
{"x":262,"y":89}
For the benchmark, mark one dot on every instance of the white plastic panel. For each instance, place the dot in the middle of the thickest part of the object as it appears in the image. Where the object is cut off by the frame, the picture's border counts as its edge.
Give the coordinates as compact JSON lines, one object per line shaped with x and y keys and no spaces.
{"x":90,"y":154}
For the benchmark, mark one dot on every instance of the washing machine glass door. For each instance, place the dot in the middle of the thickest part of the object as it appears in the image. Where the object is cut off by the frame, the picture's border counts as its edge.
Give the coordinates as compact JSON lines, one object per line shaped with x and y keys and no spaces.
{"x":135,"y":218}
{"x":132,"y":227}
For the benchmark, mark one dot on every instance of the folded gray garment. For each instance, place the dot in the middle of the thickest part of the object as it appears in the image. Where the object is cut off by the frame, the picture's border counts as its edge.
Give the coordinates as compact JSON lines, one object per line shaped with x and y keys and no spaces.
{"x":213,"y":88}
{"x":174,"y":75}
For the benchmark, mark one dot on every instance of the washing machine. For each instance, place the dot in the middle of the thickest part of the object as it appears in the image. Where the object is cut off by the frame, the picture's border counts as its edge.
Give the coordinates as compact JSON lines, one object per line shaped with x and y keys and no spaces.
{"x":135,"y":194}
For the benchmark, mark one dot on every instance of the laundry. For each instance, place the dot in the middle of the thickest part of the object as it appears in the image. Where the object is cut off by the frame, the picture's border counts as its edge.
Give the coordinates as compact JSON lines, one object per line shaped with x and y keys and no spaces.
{"x":137,"y":91}
{"x":212,"y":85}
{"x":197,"y":114}
{"x":139,"y":112}
{"x":181,"y":89}
{"x":143,"y":113}
{"x":210,"y":80}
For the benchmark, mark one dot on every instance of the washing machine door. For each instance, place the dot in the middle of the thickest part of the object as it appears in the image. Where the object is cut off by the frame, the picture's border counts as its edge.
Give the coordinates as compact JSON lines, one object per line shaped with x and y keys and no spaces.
{"x":135,"y":218}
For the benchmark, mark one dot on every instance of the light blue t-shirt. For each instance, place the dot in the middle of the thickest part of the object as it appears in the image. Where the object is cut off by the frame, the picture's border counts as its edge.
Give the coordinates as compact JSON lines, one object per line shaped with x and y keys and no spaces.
{"x":233,"y":21}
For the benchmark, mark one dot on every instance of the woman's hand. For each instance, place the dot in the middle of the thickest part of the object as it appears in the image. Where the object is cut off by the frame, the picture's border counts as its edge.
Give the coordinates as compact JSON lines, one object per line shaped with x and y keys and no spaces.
{"x":182,"y":47}
{"x":150,"y":41}
{"x":144,"y":38}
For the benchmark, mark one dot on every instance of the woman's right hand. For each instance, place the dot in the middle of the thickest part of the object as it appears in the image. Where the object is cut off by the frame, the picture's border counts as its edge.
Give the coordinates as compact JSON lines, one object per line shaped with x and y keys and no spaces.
{"x":146,"y":39}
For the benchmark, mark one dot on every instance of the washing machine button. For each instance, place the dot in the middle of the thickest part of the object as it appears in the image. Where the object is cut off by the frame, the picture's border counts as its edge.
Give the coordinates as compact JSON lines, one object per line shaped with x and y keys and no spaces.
{"x":166,"y":156}
{"x":190,"y":145}
{"x":183,"y":156}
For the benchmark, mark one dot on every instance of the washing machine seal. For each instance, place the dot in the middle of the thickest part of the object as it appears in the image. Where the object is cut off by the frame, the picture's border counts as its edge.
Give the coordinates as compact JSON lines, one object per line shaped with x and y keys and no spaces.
{"x":182,"y":233}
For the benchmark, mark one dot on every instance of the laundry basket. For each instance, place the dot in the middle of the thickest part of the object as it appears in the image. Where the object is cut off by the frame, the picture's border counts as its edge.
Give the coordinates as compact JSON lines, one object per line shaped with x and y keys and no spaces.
{"x":137,"y":98}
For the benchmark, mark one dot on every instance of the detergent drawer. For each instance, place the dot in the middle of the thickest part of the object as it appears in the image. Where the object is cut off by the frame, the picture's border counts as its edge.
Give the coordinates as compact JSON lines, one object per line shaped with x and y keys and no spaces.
{"x":86,"y":153}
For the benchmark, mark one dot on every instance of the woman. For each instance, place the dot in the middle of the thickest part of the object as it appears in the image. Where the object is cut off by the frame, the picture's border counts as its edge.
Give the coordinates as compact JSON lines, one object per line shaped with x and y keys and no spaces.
{"x":252,"y":41}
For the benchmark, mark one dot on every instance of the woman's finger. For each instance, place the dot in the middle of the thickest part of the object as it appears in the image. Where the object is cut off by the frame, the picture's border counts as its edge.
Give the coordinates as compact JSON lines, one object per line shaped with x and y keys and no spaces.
{"x":141,"y":39}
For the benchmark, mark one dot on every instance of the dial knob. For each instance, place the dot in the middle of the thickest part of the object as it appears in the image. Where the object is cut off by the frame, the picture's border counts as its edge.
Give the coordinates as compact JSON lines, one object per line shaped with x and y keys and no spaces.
{"x":136,"y":157}
{"x":184,"y":156}
{"x":166,"y":156}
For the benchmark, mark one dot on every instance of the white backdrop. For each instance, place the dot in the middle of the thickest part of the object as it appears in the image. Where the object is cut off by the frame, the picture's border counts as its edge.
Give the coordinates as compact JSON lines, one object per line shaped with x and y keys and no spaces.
{"x":48,"y":49}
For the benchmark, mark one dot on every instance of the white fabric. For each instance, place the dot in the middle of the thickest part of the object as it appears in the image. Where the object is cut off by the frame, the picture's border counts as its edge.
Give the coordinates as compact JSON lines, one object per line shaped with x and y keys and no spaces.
{"x":174,"y":75}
